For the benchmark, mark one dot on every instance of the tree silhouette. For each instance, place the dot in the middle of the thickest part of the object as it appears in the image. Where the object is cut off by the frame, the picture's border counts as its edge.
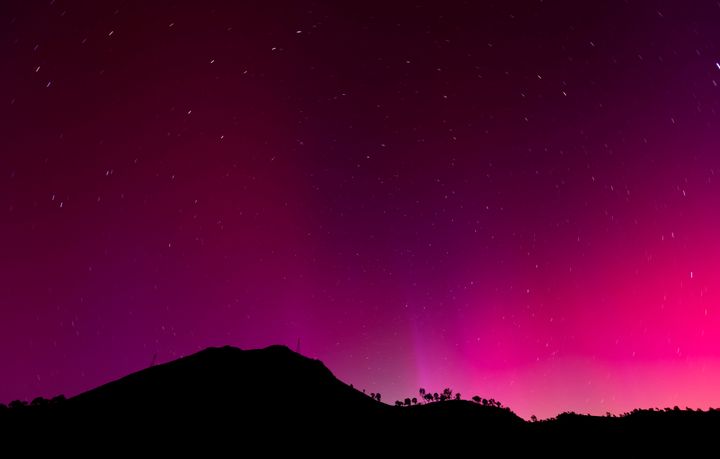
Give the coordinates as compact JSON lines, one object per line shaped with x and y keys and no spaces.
{"x":377,"y":396}
{"x":422,"y":393}
{"x":40,"y":402}
{"x":17,"y":404}
{"x":476,"y":399}
{"x":447,"y":392}
{"x":414,"y":401}
{"x":398,"y":403}
{"x":408,"y":402}
{"x":533,"y":418}
{"x":457,"y":396}
{"x":436,"y":397}
{"x":428,"y":397}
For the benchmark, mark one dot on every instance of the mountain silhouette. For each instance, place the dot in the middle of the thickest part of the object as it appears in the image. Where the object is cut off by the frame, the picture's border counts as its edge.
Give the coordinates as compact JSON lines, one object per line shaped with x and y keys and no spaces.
{"x":271,"y":383}
{"x":276,"y":398}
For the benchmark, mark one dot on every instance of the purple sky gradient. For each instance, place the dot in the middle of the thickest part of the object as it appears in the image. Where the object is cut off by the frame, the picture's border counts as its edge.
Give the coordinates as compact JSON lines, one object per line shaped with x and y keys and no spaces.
{"x":515,"y":199}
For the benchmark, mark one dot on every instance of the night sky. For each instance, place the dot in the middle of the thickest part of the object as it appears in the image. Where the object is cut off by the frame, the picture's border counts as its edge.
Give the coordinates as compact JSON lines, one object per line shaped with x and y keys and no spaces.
{"x":515,"y":199}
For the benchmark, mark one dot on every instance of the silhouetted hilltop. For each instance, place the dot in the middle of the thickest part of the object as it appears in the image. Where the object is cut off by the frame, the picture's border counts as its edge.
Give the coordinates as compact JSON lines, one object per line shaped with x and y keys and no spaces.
{"x":273,"y":382}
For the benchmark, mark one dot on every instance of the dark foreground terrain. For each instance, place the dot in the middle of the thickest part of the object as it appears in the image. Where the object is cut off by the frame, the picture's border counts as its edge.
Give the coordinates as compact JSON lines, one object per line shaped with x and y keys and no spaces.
{"x":280,"y":401}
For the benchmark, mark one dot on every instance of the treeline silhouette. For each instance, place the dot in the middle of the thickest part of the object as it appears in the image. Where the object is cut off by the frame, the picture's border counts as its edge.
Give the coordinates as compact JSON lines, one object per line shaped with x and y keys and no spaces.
{"x":447,"y":394}
{"x":41,"y":404}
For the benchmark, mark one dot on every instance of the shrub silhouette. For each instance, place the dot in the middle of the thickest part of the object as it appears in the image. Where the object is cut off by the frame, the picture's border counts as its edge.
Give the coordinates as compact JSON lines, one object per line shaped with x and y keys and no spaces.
{"x":40,"y":402}
{"x":18,"y":404}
